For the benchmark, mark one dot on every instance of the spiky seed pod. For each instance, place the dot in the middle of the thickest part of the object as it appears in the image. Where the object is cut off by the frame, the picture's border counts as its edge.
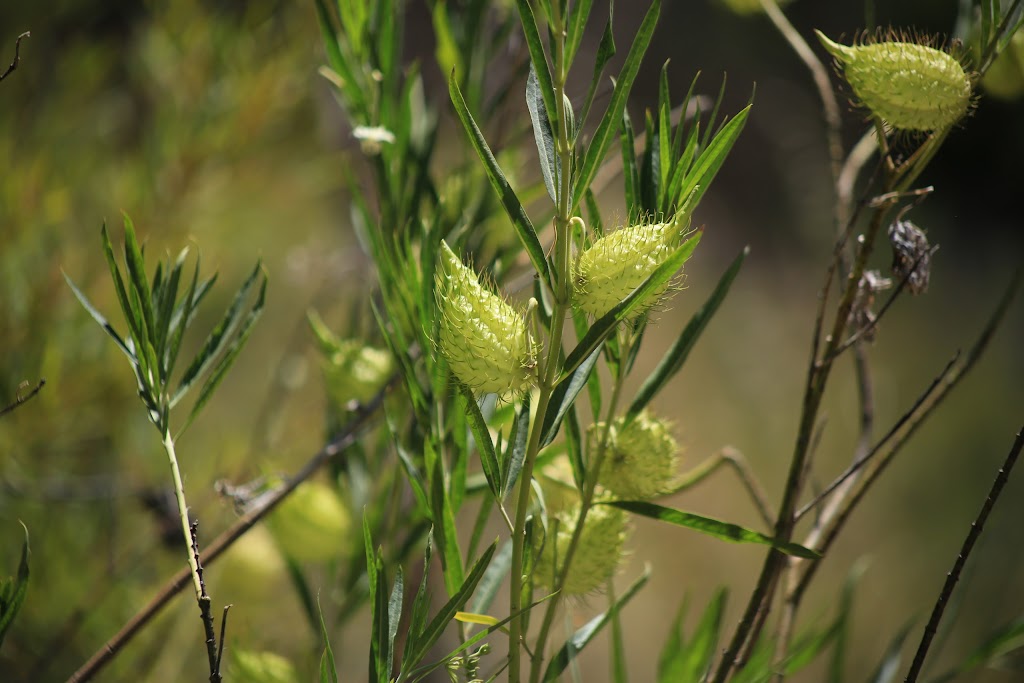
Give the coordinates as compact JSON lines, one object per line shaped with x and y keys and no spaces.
{"x":618,"y":263}
{"x":482,"y":336}
{"x":598,"y":553}
{"x":641,"y":459}
{"x":907,"y":85}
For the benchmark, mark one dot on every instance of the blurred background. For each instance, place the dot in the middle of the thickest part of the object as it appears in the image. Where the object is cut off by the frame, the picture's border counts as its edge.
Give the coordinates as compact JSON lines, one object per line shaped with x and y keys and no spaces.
{"x":207,"y":122}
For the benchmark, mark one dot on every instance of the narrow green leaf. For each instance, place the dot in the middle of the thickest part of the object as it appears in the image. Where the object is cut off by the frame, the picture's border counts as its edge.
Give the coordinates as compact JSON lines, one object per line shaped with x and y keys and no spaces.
{"x":328,"y":668}
{"x":14,"y":591}
{"x":378,"y":635}
{"x":602,"y":136}
{"x":478,"y":426}
{"x":517,"y":449}
{"x":394,"y":617}
{"x":137,"y":277}
{"x":420,"y":606}
{"x":605,"y":326}
{"x":492,"y":580}
{"x":664,"y":137}
{"x":550,"y":163}
{"x":511,"y":203}
{"x":577,"y":22}
{"x":115,"y":276}
{"x":630,"y":174}
{"x":703,"y":646}
{"x":564,"y":395}
{"x":221,"y":335}
{"x":336,"y":59}
{"x":998,"y":644}
{"x":620,"y":673}
{"x":437,"y":625}
{"x":229,"y":357}
{"x":100,"y":320}
{"x":713,"y":527}
{"x":538,"y":58}
{"x":165,"y":312}
{"x":444,"y":531}
{"x":711,"y":159}
{"x":674,"y":358}
{"x":605,"y":51}
{"x":670,"y":660}
{"x":579,"y":640}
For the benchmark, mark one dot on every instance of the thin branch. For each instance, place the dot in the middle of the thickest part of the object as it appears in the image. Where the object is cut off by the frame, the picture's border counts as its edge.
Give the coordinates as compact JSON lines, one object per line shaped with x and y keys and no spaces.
{"x":346,"y":438}
{"x":17,"y":56}
{"x":19,"y":399}
{"x":205,"y":603}
{"x":977,"y":526}
{"x":858,"y":463}
{"x":732,"y":457}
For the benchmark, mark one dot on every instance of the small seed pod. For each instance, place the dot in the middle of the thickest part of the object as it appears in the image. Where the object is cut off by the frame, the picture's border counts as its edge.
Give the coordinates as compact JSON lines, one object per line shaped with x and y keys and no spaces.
{"x":618,"y":263}
{"x":641,"y":459}
{"x":907,"y":85}
{"x":483,"y":337}
{"x":598,"y":552}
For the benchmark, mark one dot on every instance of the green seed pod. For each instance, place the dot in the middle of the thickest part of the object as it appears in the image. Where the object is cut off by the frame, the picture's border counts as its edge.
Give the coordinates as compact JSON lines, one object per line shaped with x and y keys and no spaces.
{"x":312,"y":524}
{"x":618,"y":263}
{"x":907,"y":85}
{"x":641,"y":459}
{"x":598,"y":553}
{"x":1005,"y":77}
{"x":483,"y":337}
{"x":261,"y":667}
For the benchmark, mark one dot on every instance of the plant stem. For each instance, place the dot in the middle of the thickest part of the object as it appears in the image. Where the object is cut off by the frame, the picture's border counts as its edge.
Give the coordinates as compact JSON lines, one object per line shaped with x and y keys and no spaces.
{"x":965,"y":551}
{"x":586,"y":502}
{"x":192,"y":550}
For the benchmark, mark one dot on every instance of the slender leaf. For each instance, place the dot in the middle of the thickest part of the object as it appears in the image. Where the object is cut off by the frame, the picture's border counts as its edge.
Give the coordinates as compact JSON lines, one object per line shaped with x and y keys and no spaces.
{"x":630,"y":174}
{"x":713,"y":527}
{"x":664,"y":137}
{"x":437,"y":625}
{"x":538,"y":58}
{"x":444,"y":530}
{"x":14,"y":590}
{"x":579,"y":640}
{"x":513,"y":207}
{"x":488,"y":459}
{"x":711,"y":159}
{"x":229,"y":357}
{"x":394,"y":616}
{"x":135,"y":330}
{"x":605,"y":326}
{"x":98,"y":317}
{"x":691,"y":663}
{"x":550,"y":163}
{"x":577,"y":22}
{"x":674,"y":358}
{"x":493,"y":579}
{"x":328,"y":668}
{"x":517,"y":448}
{"x":564,"y":395}
{"x":137,"y":277}
{"x":218,"y":338}
{"x":605,"y":51}
{"x":602,"y":136}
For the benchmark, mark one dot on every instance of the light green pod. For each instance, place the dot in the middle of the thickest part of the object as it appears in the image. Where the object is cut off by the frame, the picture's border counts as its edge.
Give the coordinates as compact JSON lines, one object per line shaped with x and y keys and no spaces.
{"x":598,"y":553}
{"x":641,"y":459}
{"x":907,"y":85}
{"x":619,"y":262}
{"x":482,"y":336}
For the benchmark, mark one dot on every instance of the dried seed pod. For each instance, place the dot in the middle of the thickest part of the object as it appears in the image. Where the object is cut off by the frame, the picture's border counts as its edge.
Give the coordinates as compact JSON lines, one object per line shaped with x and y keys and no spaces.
{"x":908,"y":85}
{"x":642,"y":457}
{"x":598,"y":554}
{"x":911,"y":255}
{"x":862,"y":317}
{"x":482,"y":336}
{"x":616,"y":264}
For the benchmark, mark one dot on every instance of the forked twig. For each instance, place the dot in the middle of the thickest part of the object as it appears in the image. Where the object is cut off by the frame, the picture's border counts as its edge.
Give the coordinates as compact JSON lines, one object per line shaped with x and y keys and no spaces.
{"x":17,"y":55}
{"x":977,"y":526}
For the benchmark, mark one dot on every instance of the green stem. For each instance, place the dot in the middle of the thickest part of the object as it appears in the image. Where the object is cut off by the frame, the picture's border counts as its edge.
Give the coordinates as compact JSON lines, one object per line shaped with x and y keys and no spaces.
{"x":586,"y":502}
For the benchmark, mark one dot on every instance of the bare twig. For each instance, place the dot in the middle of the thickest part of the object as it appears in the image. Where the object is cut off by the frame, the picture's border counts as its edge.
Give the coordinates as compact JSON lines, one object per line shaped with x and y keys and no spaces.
{"x":205,"y":604}
{"x":19,"y":399}
{"x":17,"y":56}
{"x":345,"y":438}
{"x":977,"y":526}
